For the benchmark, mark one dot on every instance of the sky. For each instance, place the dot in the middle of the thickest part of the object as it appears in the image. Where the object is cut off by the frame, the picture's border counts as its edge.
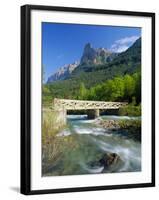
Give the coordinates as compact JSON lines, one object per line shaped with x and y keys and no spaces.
{"x":64,"y":43}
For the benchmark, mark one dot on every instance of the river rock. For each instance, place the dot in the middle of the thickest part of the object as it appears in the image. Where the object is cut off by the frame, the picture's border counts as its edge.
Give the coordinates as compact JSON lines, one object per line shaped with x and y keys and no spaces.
{"x":108,"y":124}
{"x":110,"y":159}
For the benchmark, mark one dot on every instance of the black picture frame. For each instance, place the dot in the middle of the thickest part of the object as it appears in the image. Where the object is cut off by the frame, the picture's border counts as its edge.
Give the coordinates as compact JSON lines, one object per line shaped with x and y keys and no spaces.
{"x":26,"y":98}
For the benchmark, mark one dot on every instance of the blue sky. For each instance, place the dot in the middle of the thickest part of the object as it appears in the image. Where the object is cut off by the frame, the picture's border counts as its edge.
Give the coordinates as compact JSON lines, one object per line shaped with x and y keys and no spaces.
{"x":63,"y":43}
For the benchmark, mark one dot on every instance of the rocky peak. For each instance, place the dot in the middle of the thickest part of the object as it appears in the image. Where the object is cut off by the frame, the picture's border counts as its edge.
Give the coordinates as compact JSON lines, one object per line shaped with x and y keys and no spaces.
{"x":89,"y":54}
{"x":94,"y":56}
{"x":71,"y":67}
{"x":87,"y":46}
{"x":63,"y":72}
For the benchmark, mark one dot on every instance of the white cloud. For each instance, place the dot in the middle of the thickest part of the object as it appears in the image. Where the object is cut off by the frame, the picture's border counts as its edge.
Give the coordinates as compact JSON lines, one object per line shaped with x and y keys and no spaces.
{"x":123,"y":44}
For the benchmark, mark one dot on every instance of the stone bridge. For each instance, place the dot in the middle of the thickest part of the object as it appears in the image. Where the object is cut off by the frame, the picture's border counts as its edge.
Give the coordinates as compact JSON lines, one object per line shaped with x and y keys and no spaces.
{"x":93,"y":107}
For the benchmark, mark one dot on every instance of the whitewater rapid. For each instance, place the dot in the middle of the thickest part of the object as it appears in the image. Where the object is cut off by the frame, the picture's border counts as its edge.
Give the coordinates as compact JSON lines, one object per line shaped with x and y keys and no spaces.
{"x":94,"y":141}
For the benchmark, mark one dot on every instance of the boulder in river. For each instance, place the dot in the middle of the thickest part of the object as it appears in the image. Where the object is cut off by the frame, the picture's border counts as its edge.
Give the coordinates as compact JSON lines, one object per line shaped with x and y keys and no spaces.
{"x":110,"y":159}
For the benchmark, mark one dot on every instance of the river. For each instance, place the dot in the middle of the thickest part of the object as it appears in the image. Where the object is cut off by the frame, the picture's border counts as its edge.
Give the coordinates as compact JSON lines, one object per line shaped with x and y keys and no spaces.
{"x":92,"y":142}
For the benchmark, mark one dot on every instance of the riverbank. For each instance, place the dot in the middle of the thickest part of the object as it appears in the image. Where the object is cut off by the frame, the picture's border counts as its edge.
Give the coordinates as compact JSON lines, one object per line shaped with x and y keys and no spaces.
{"x":126,"y":127}
{"x":53,"y":147}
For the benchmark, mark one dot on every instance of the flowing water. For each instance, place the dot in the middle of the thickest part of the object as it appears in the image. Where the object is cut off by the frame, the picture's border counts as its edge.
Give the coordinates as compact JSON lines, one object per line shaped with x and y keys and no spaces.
{"x":91,"y":143}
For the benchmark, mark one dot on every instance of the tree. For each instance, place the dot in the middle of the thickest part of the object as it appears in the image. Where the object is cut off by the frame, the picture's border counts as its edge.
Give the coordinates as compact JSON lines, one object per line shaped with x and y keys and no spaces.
{"x":129,"y":85}
{"x":119,"y":87}
{"x":137,"y":78}
{"x":82,"y":92}
{"x":127,"y":88}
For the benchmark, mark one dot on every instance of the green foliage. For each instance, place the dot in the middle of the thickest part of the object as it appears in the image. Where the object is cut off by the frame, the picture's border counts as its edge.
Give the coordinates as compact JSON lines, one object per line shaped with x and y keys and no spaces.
{"x":129,"y":87}
{"x":124,"y":124}
{"x":114,"y":89}
{"x":130,"y":110}
{"x":126,"y":88}
{"x":46,"y":95}
{"x":137,"y":91}
{"x":82,"y":92}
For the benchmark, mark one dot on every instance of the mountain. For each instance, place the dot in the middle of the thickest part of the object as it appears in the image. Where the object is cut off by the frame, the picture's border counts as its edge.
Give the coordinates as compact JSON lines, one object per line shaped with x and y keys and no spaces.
{"x":90,"y":58}
{"x":95,"y":56}
{"x":63,"y":72}
{"x":127,"y":62}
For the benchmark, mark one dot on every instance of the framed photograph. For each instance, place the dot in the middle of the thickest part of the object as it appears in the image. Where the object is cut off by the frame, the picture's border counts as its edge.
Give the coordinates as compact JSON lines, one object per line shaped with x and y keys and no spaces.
{"x":87,"y":99}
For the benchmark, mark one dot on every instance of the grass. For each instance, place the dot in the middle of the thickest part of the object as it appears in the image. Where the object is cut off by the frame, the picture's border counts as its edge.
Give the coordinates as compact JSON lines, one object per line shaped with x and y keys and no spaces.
{"x":53,"y":146}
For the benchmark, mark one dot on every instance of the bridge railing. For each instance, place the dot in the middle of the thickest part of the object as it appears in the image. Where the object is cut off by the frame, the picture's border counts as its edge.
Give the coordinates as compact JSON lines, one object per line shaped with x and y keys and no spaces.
{"x":70,"y":104}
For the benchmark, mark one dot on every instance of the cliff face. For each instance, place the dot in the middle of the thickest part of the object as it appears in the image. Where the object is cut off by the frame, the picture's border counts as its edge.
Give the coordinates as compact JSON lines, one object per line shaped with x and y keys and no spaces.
{"x":95,"y":56}
{"x":63,"y":72}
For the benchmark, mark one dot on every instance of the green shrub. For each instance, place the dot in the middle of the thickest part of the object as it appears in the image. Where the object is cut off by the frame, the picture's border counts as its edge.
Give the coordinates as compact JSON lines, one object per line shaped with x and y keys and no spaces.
{"x":126,"y":124}
{"x":130,"y":110}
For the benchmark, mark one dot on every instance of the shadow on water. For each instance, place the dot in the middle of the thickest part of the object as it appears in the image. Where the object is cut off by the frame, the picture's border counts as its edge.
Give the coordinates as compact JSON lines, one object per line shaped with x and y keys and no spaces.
{"x":76,"y":117}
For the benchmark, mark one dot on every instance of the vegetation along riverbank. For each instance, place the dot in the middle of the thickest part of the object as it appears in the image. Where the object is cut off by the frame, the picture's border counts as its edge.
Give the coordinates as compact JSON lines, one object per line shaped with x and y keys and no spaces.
{"x":129,"y":128}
